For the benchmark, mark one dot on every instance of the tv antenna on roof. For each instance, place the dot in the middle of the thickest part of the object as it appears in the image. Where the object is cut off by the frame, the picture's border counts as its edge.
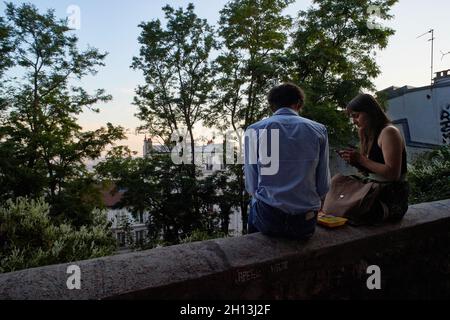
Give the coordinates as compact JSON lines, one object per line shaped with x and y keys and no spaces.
{"x":432,"y":51}
{"x":444,"y":54}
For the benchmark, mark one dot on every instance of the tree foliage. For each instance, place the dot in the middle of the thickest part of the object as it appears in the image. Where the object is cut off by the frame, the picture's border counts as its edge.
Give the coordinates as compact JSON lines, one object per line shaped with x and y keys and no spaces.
{"x":29,"y":238}
{"x":42,"y":148}
{"x":177,"y":71}
{"x":6,"y":61}
{"x":164,"y":190}
{"x":218,"y":193}
{"x":332,"y":57}
{"x":429,"y":176}
{"x":6,"y":47}
{"x":253,"y":38}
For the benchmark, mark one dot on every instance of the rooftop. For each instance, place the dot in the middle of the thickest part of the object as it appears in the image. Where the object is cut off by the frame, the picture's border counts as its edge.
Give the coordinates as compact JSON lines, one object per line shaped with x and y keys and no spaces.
{"x":441,"y":80}
{"x":111,"y":196}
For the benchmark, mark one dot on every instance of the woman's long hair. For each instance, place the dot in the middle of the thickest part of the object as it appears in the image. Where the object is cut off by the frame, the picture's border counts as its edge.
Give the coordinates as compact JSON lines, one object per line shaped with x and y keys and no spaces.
{"x":377,"y":120}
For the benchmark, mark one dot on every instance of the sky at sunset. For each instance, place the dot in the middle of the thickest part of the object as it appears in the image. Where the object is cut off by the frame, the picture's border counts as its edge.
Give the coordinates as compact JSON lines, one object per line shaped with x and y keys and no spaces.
{"x":112,"y":26}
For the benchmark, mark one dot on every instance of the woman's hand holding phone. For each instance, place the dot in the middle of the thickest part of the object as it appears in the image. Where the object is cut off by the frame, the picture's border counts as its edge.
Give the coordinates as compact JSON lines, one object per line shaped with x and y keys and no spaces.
{"x":350,"y":155}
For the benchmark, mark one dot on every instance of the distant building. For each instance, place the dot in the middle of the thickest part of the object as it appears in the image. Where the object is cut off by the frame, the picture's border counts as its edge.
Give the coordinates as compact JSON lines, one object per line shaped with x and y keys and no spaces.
{"x":422,"y":114}
{"x":150,"y":148}
{"x":119,"y":216}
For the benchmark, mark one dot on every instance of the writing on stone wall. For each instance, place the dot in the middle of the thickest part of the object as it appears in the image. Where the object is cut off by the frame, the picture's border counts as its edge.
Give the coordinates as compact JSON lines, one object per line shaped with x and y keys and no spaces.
{"x":248,"y":275}
{"x":445,"y":124}
{"x":278,"y":267}
{"x":256,"y":273}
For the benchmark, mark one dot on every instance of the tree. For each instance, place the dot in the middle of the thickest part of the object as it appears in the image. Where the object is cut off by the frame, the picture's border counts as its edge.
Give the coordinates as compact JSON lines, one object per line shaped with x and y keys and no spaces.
{"x":42,"y":148}
{"x":254,"y":38}
{"x":177,"y":71}
{"x":219,"y":190}
{"x":333,"y":57}
{"x":157,"y":186}
{"x":178,"y":76}
{"x":254,"y":35}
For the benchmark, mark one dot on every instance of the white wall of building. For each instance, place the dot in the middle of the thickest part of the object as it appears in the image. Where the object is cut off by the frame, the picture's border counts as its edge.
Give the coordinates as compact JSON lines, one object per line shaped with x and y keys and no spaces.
{"x":419,"y":111}
{"x":423,"y":116}
{"x":138,"y":226}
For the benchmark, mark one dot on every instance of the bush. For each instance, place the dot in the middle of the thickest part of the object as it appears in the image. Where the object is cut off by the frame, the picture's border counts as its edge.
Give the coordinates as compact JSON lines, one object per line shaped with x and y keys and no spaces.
{"x":202,"y":235}
{"x":429,"y":176}
{"x":29,"y":238}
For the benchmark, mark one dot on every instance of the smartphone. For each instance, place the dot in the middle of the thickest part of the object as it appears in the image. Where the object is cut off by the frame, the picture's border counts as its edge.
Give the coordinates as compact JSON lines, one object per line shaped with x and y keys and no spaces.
{"x":339,"y":152}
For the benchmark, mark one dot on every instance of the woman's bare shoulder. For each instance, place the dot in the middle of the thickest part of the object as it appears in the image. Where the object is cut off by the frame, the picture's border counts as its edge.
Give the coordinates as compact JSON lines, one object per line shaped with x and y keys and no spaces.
{"x":390,"y":133}
{"x":390,"y":130}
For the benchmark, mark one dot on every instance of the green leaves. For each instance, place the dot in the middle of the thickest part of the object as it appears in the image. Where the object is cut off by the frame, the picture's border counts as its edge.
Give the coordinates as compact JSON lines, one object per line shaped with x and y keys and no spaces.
{"x":332,"y":57}
{"x":177,"y":71}
{"x":333,"y":48}
{"x":254,"y":35}
{"x":42,"y":148}
{"x":6,"y":47}
{"x":167,"y":192}
{"x":429,"y":176}
{"x":29,"y":238}
{"x":254,"y":24}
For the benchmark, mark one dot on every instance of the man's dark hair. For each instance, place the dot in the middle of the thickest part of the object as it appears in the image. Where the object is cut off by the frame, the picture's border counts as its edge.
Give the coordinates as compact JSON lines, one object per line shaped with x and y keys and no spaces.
{"x":285,"y":95}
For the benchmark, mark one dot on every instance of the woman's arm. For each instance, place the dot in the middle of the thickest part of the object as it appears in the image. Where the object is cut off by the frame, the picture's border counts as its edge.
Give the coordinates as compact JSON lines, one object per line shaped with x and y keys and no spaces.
{"x":392,"y":148}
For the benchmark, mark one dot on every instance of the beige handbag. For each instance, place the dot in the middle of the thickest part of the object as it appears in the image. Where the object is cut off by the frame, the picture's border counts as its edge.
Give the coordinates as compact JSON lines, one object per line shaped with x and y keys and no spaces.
{"x":352,"y":197}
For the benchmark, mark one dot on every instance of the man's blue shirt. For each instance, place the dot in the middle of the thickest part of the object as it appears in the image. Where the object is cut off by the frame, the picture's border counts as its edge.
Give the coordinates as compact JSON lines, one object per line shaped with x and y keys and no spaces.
{"x":303,"y":175}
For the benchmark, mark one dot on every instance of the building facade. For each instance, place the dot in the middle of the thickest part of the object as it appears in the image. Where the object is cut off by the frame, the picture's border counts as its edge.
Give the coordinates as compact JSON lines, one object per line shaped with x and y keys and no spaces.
{"x":125,"y":226}
{"x":422,"y":114}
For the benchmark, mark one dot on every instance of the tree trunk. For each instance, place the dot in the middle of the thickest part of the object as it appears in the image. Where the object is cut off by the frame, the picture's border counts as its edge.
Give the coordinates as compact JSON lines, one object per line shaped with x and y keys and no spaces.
{"x":243,"y":202}
{"x":193,"y":175}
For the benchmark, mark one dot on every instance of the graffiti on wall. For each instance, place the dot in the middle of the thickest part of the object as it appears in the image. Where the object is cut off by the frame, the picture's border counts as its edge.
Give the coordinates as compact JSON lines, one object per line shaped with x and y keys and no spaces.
{"x":445,"y":124}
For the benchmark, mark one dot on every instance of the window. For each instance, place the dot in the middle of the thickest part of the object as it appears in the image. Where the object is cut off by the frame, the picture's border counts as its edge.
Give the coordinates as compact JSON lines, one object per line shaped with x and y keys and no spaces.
{"x":121,"y":239}
{"x":139,"y":236}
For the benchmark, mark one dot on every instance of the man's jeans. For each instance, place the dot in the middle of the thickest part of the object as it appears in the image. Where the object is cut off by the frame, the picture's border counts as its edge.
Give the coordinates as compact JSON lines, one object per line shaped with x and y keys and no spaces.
{"x":274,"y":222}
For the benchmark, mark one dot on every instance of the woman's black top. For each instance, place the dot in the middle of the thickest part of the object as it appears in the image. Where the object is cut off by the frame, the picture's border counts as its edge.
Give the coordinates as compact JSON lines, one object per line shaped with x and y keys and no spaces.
{"x":376,"y":154}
